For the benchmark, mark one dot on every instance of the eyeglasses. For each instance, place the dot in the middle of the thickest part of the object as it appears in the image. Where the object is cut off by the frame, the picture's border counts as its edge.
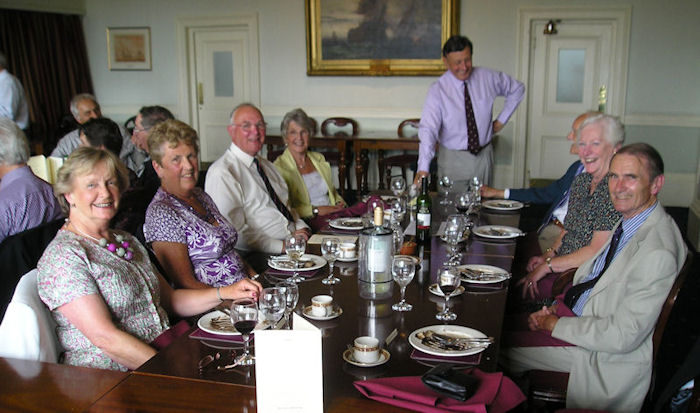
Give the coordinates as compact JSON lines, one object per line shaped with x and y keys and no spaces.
{"x":138,"y":130}
{"x":248,"y":127}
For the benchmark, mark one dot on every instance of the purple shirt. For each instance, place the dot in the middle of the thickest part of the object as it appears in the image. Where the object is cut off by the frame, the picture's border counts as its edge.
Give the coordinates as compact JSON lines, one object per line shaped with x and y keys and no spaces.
{"x":25,"y":202}
{"x":211,"y":248}
{"x":444,"y":117}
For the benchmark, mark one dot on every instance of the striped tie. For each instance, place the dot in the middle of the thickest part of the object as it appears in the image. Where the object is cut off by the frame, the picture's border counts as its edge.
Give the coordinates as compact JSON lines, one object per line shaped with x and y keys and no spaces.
{"x":277,"y":201}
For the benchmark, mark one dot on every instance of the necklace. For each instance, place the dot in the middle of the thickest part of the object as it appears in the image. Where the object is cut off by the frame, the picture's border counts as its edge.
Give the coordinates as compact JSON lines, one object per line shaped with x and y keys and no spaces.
{"x":123,"y":251}
{"x":303,"y":164}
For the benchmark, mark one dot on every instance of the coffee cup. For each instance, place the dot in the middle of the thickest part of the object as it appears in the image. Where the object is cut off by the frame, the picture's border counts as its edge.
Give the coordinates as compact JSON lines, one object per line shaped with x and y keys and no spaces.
{"x":322,"y":305}
{"x":347,"y":250}
{"x":365,"y":349}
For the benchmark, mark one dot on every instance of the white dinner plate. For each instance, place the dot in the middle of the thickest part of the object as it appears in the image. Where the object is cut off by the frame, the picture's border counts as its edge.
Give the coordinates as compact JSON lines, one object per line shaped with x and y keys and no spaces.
{"x":452,"y":330}
{"x":352,"y":224}
{"x":205,"y":324}
{"x":284,"y":264}
{"x":383,"y":358}
{"x":482,"y":273}
{"x":337,"y":311}
{"x":433,"y":288}
{"x":503,"y":204}
{"x":498,"y":232}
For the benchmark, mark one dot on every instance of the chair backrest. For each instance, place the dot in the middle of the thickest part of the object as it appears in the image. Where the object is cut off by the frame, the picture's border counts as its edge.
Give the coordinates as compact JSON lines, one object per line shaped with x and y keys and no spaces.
{"x":668,"y":305}
{"x":408,"y":128}
{"x":339,"y":122}
{"x":28,"y":330}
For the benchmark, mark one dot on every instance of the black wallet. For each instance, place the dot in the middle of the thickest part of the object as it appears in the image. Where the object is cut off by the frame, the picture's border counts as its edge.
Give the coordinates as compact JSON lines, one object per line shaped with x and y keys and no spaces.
{"x":449,"y":382}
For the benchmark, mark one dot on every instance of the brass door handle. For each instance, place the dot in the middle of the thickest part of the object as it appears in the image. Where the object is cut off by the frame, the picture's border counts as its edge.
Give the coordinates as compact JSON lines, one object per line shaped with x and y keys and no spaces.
{"x":200,"y":93}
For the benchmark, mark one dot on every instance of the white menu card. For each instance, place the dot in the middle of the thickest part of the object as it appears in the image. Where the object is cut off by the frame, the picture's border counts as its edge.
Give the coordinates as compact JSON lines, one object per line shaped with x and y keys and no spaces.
{"x":288,"y":369}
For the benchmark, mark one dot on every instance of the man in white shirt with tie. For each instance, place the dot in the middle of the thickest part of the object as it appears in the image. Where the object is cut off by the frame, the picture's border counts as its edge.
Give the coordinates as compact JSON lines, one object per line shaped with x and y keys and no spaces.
{"x":236,"y":182}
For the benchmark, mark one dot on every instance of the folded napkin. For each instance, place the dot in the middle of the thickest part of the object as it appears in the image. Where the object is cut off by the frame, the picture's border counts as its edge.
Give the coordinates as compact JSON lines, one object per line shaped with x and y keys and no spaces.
{"x":200,"y":334}
{"x":496,"y":392}
{"x":169,"y":335}
{"x":472,"y":360}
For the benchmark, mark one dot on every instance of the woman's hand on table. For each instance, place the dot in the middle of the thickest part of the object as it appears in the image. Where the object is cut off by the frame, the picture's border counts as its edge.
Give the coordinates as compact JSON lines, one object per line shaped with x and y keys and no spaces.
{"x":328,"y":209}
{"x":245,"y":288}
{"x":534,"y":262}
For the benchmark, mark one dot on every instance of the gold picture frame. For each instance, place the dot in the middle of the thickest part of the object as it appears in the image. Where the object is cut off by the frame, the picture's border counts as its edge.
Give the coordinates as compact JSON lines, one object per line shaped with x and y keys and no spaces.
{"x":378,"y":38}
{"x":129,"y":48}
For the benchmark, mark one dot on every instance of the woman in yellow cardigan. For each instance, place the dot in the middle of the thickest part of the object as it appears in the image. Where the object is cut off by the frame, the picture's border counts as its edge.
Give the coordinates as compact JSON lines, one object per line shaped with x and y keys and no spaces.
{"x":307,"y":174}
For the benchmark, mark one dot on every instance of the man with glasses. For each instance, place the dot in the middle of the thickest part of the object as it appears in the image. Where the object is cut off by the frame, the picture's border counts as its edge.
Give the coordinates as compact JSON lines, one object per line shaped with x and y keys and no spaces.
{"x":147,"y":118}
{"x":249,"y":191}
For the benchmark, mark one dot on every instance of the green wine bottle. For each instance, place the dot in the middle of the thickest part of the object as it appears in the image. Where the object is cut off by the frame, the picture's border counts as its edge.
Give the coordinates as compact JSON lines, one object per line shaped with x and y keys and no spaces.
{"x":423,"y":204}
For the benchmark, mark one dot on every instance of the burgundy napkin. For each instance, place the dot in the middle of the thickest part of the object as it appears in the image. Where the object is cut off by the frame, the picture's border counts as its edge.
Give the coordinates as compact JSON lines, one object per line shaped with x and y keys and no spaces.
{"x":284,"y":274}
{"x":519,"y":334}
{"x":496,"y":392}
{"x":473,"y":359}
{"x":200,"y":334}
{"x":169,"y":335}
{"x":320,"y":223}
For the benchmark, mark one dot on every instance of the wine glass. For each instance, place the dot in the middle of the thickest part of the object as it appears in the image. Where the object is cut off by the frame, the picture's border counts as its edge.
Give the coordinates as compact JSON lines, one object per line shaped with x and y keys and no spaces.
{"x":295,"y":245}
{"x":244,"y":316}
{"x":398,"y":185}
{"x":464,"y":202}
{"x":403,"y":269}
{"x":330,"y":248}
{"x":291,"y":294}
{"x":475,"y":187}
{"x":273,"y":304}
{"x":453,"y":234}
{"x":398,"y":209}
{"x":448,"y":282}
{"x":446,"y":184}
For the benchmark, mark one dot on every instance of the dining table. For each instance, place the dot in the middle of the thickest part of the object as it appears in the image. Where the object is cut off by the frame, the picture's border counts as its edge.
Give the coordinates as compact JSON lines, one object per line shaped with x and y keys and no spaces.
{"x":173,"y":379}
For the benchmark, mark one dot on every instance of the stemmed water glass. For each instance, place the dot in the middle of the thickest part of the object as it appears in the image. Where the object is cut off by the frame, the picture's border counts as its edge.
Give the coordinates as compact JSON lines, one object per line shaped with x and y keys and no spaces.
{"x":291,"y":294}
{"x":273,"y":304}
{"x":454,"y":229}
{"x":446,"y":184}
{"x":398,"y":185}
{"x":330,"y":248}
{"x":448,"y":282}
{"x":295,"y":245}
{"x":475,"y":188}
{"x":403,"y":269}
{"x":465,"y":202}
{"x":244,"y":316}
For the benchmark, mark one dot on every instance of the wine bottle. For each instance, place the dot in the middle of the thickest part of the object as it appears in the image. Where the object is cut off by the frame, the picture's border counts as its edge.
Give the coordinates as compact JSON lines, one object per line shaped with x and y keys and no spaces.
{"x":376,"y":251}
{"x":423,"y":204}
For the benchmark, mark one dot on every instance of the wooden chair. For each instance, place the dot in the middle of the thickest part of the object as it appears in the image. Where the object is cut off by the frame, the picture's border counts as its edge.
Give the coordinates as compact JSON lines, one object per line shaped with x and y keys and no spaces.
{"x":550,"y":386}
{"x":408,"y":128}
{"x":334,"y":127}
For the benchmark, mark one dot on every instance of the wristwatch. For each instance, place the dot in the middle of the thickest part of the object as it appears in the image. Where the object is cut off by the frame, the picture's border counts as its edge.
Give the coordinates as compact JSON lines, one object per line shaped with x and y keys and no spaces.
{"x":314,"y":210}
{"x":549,"y":264}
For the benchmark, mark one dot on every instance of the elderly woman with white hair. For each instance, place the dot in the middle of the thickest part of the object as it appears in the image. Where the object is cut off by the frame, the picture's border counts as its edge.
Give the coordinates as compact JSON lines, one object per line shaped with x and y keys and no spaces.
{"x":109,"y":303}
{"x":25,"y":200}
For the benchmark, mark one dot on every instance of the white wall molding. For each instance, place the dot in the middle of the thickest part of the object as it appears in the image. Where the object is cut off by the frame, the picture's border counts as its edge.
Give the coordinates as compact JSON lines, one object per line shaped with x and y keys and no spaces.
{"x":662,"y":119}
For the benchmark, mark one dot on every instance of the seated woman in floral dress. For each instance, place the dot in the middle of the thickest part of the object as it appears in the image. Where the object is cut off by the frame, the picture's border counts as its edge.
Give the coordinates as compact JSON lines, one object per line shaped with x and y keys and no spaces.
{"x":192,"y":241}
{"x":108,"y":302}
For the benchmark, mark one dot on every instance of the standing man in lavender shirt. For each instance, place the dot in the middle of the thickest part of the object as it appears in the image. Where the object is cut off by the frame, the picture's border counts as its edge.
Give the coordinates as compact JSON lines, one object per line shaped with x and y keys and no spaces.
{"x":25,"y":200}
{"x":460,"y":120}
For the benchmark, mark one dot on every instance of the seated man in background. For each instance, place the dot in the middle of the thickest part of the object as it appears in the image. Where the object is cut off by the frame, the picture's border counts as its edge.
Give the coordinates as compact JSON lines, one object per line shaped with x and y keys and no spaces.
{"x":101,"y":133}
{"x":25,"y":200}
{"x":608,"y":316}
{"x":249,"y":191}
{"x":84,"y":107}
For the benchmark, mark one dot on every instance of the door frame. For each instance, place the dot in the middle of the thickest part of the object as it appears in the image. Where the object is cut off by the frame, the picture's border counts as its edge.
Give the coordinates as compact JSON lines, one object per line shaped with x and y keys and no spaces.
{"x":187,"y":95}
{"x":621,"y":18}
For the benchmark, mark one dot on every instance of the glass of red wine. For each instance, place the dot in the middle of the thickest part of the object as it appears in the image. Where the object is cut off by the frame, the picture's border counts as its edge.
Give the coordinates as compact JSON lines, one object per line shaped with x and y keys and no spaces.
{"x":244,"y":316}
{"x":448,"y":281}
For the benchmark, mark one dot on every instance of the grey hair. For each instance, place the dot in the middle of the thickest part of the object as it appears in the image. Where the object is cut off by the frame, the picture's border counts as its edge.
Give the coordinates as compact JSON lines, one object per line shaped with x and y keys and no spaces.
{"x":242,"y":105}
{"x":613,"y":129}
{"x":3,"y":60}
{"x":14,"y":147}
{"x":299,"y":117}
{"x":76,"y":99}
{"x":153,"y":115}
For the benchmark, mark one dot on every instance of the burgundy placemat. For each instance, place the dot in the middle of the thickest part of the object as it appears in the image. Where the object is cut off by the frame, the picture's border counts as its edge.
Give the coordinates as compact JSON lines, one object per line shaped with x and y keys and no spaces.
{"x":472,"y":359}
{"x":200,"y":334}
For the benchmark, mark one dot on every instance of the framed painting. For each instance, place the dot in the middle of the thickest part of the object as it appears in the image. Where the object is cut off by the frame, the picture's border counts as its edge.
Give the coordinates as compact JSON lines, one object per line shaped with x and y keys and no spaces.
{"x":129,"y":48}
{"x":378,"y":37}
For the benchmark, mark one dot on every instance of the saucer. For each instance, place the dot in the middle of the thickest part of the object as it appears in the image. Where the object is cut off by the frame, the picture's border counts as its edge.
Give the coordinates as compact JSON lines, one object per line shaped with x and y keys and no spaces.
{"x":336,"y":312}
{"x":383,"y":358}
{"x":353,"y":259}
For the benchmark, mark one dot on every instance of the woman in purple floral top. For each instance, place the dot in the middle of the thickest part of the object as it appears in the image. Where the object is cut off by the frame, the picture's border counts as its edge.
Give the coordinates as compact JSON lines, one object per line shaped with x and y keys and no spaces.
{"x":192,"y":241}
{"x":106,"y":299}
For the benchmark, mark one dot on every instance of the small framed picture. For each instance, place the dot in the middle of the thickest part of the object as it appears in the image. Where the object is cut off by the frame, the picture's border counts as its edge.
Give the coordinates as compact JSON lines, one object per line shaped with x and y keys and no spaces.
{"x":129,"y":48}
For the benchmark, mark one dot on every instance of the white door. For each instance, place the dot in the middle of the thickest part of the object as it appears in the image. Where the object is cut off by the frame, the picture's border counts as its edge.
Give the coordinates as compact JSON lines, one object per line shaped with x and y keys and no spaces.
{"x":567,"y":71}
{"x":224,"y":75}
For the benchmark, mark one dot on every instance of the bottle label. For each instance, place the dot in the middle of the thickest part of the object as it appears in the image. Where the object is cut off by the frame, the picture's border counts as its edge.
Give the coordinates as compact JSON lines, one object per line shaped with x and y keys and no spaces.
{"x":376,"y":260}
{"x":423,"y":221}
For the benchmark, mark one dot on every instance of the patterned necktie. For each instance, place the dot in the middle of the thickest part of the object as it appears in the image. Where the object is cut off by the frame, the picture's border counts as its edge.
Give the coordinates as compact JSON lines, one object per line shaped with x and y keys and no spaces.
{"x":273,"y":195}
{"x":575,"y":292}
{"x":472,"y":132}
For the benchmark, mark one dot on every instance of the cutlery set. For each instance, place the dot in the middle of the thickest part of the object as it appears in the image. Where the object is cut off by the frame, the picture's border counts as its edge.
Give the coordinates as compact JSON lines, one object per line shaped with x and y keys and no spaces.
{"x":443,"y":341}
